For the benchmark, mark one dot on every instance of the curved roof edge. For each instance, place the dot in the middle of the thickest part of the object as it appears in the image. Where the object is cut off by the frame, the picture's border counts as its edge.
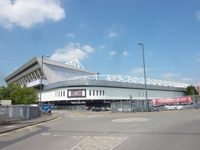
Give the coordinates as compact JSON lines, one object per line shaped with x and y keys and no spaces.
{"x":103,"y":83}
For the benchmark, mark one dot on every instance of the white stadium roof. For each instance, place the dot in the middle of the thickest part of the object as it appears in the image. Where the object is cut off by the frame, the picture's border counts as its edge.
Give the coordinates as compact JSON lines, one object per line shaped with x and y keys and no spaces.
{"x":131,"y":79}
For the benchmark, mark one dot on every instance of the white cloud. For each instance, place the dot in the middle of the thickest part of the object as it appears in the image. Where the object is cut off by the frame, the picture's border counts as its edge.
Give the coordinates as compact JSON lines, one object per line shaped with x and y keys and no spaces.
{"x":70,"y":35}
{"x":198,"y":14}
{"x":112,"y":34}
{"x":72,"y":51}
{"x":140,"y":70}
{"x":113,"y":53}
{"x":113,"y":31}
{"x":170,"y":76}
{"x":88,"y":49}
{"x":125,"y":53}
{"x":101,"y":47}
{"x":26,"y":13}
{"x":187,"y":79}
{"x":83,"y":25}
{"x":137,"y":71}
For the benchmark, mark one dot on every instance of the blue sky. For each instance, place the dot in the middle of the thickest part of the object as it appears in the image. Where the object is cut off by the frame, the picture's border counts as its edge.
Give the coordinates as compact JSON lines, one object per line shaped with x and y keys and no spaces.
{"x":104,"y":35}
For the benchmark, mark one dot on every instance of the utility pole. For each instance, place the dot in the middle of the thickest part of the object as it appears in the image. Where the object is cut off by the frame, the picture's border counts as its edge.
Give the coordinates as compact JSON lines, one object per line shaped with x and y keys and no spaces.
{"x":145,"y":80}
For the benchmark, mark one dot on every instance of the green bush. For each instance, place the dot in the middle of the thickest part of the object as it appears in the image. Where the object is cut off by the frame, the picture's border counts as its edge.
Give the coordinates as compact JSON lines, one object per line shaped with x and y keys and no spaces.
{"x":18,"y":94}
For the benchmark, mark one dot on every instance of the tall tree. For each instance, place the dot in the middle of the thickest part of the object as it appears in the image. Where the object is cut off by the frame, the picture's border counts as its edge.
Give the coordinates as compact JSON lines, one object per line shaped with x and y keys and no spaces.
{"x":191,"y":90}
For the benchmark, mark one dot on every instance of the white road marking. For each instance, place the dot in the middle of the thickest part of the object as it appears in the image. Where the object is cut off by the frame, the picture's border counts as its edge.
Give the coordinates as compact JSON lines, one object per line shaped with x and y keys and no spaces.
{"x":77,"y":137}
{"x":126,"y":120}
{"x":11,"y":126}
{"x":99,"y":143}
{"x":56,"y":135}
{"x":46,"y":134}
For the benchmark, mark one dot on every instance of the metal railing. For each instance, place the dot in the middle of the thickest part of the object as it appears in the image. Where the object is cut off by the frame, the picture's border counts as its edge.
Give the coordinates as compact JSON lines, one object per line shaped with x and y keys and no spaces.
{"x":130,"y":106}
{"x":132,"y":79}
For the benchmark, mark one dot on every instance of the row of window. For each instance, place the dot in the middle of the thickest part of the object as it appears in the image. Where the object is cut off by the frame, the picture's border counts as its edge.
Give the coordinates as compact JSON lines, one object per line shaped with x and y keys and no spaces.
{"x":91,"y":93}
{"x":60,"y":94}
{"x":96,"y":92}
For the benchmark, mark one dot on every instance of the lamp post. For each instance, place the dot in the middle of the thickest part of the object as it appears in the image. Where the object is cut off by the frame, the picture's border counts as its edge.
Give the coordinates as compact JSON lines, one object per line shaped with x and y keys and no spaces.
{"x":42,"y":76}
{"x":145,"y":80}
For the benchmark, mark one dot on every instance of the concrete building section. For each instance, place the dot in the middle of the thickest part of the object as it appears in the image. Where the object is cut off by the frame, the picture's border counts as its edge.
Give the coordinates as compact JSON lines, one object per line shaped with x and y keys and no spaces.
{"x":30,"y":73}
{"x":198,"y":89}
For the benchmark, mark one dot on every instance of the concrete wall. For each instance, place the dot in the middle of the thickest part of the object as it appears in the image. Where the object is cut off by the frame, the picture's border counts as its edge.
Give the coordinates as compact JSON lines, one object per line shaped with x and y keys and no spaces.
{"x":18,"y":112}
{"x":5,"y":102}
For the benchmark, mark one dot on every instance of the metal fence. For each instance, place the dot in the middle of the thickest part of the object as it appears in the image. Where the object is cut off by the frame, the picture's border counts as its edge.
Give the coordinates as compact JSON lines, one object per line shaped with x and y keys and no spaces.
{"x":71,"y":107}
{"x":196,"y":101}
{"x":145,"y":106}
{"x":18,"y":112}
{"x":130,"y":106}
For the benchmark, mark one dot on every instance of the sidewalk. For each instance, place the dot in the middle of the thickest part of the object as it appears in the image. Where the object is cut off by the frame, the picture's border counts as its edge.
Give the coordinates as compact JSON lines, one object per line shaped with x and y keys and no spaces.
{"x":22,"y":124}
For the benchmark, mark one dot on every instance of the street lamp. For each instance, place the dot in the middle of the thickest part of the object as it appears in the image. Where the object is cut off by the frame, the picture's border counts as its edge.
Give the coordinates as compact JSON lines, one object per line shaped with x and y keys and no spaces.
{"x":145,"y":80}
{"x":42,"y":76}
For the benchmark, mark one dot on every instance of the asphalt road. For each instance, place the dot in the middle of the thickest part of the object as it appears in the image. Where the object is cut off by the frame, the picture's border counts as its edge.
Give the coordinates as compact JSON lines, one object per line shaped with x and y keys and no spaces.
{"x":175,"y":130}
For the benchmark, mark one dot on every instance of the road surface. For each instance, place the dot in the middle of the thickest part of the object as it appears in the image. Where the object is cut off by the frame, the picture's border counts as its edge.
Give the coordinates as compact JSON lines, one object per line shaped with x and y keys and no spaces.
{"x":175,"y":130}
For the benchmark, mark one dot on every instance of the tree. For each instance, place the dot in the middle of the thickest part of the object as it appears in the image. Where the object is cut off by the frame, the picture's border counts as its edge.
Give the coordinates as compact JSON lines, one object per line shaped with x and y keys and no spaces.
{"x":18,"y":94}
{"x":5,"y":92}
{"x":191,"y":90}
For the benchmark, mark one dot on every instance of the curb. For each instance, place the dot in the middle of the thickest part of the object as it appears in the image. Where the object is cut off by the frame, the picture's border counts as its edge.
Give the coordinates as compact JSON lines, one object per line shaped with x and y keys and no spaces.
{"x":27,"y":125}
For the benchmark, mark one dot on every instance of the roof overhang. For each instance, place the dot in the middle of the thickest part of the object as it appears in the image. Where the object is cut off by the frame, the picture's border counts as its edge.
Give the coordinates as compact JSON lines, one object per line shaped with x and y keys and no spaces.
{"x":110,"y":84}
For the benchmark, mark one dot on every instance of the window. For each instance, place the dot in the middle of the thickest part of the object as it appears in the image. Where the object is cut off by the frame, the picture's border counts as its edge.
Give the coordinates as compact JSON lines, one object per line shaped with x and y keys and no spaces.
{"x":100,"y":92}
{"x":63,"y":93}
{"x":103,"y":93}
{"x":97,"y":92}
{"x":93,"y":92}
{"x":90,"y":92}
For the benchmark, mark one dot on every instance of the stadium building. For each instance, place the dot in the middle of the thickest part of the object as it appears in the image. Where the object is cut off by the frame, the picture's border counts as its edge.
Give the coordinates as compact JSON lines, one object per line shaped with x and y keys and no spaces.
{"x":71,"y":83}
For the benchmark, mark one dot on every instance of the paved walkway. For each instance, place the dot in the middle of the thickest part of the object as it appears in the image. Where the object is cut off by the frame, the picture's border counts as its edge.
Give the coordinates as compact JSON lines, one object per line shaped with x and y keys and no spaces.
{"x":21,"y":124}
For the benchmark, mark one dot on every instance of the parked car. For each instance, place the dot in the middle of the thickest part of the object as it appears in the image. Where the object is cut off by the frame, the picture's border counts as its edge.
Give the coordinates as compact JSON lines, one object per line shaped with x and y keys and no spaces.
{"x":125,"y":109}
{"x":169,"y":107}
{"x":96,"y":109}
{"x":173,"y":107}
{"x":46,"y":108}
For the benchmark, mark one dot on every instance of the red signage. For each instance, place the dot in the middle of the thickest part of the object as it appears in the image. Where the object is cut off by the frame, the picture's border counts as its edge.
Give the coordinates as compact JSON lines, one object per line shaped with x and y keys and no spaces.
{"x":171,"y":101}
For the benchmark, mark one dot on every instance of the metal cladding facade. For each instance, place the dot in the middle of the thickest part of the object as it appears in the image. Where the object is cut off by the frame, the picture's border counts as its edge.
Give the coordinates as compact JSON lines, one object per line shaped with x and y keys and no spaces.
{"x":87,"y":90}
